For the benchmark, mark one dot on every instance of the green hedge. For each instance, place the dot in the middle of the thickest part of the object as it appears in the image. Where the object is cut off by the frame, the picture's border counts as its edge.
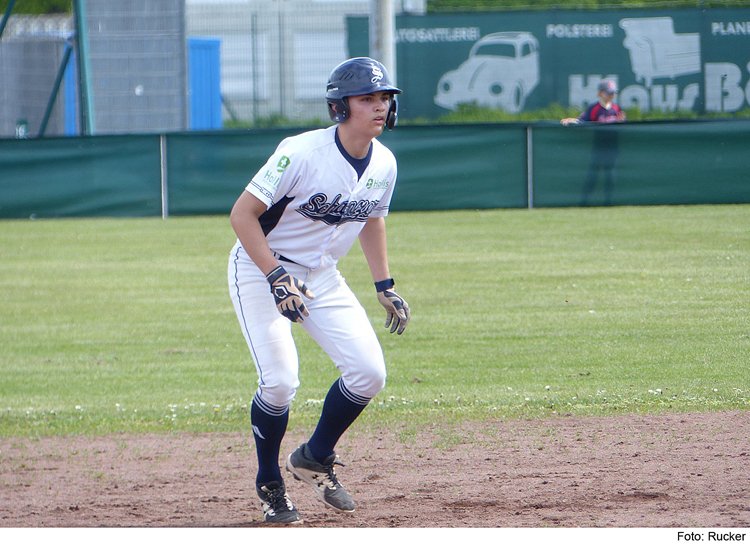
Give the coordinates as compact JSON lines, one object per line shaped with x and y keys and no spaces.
{"x":39,"y":6}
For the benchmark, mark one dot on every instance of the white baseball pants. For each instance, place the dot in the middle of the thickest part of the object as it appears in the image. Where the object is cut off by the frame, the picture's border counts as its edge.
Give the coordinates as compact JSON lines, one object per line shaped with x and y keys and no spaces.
{"x":337,"y":322}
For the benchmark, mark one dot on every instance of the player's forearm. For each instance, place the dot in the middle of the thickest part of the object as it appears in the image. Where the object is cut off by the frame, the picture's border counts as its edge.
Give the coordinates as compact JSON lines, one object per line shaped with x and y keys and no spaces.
{"x":244,"y":221}
{"x":254,"y":242}
{"x":372,"y":239}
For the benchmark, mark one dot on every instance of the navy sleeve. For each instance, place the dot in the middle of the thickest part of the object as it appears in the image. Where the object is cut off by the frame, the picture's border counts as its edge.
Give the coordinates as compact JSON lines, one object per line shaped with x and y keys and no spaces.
{"x":589,"y":115}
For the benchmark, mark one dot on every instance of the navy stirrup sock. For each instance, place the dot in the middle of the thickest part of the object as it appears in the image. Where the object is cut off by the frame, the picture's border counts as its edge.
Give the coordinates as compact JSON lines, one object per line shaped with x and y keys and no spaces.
{"x":340,"y":409}
{"x":269,"y":426}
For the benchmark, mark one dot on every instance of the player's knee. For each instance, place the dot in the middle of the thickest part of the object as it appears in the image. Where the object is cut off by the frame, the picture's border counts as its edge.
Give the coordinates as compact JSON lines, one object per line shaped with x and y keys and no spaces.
{"x":279,"y":392}
{"x":368,"y":383}
{"x":375,"y":385}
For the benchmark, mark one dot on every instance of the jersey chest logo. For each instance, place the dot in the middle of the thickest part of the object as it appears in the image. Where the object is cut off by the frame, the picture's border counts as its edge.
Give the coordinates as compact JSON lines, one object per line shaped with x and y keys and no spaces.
{"x":336,"y":211}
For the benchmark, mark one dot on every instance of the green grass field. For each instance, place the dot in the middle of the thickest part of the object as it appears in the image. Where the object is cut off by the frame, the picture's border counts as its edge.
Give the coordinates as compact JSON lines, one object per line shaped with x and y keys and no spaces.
{"x":125,"y":325}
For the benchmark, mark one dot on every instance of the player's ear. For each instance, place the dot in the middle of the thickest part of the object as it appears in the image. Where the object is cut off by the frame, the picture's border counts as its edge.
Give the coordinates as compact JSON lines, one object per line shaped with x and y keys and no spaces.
{"x":338,"y":110}
{"x":392,"y":116}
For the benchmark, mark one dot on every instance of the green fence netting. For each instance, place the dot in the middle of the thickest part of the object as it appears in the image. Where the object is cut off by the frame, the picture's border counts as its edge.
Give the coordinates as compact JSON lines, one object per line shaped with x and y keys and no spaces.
{"x":206,"y":172}
{"x":445,"y":167}
{"x":80,"y":176}
{"x":459,"y":167}
{"x":642,"y":164}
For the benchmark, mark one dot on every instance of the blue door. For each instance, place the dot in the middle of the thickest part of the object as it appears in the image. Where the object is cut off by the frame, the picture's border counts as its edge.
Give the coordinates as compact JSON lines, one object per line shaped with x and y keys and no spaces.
{"x":204,"y":68}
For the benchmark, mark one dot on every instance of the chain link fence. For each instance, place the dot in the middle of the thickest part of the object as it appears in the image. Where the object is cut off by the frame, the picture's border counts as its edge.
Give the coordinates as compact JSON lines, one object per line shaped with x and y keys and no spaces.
{"x":151,"y":64}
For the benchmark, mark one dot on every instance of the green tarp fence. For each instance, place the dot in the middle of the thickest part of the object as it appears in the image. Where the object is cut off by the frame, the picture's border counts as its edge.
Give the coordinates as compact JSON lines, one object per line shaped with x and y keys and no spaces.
{"x":459,"y":167}
{"x":468,"y":166}
{"x":207,"y":172}
{"x":80,"y":176}
{"x":654,"y":164}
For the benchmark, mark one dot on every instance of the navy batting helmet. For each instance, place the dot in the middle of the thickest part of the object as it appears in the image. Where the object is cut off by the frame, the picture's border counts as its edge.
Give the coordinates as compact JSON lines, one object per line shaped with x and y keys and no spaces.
{"x":358,"y":76}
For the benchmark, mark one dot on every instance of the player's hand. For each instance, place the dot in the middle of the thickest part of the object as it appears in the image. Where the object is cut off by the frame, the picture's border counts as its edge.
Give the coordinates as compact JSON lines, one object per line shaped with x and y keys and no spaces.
{"x":287,"y":292}
{"x":396,"y":308}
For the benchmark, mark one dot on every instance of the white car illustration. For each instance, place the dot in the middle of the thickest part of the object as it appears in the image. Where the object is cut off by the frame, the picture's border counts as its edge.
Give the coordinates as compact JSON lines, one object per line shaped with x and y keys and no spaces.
{"x":501,"y":72}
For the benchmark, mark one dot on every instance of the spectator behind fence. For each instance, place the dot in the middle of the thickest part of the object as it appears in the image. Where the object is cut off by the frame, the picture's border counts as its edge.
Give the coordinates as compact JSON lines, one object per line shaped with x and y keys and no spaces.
{"x":604,"y":151}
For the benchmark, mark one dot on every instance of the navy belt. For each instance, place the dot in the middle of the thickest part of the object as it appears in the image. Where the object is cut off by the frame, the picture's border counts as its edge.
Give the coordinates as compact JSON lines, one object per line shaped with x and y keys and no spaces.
{"x":283,"y":259}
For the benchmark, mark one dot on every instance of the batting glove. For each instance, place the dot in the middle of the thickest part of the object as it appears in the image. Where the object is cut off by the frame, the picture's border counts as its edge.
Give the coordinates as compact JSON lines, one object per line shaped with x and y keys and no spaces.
{"x":287,"y":292}
{"x":398,"y":310}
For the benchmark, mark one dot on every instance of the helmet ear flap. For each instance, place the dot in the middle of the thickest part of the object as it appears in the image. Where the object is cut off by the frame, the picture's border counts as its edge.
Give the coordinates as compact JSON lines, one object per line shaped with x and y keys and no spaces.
{"x":392,"y":116}
{"x":338,"y":110}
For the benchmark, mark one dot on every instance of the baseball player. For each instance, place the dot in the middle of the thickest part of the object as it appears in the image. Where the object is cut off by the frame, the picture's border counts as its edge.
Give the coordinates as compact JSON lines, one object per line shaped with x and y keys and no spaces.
{"x":303,"y":210}
{"x":605,"y":149}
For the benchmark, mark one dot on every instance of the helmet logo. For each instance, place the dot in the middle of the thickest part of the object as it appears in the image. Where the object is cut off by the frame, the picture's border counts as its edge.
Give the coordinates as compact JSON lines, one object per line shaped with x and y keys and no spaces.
{"x":377,"y":74}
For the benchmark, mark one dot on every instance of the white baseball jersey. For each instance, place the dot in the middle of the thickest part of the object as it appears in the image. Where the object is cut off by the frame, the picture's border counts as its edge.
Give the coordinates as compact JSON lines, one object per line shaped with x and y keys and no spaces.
{"x":317,"y":204}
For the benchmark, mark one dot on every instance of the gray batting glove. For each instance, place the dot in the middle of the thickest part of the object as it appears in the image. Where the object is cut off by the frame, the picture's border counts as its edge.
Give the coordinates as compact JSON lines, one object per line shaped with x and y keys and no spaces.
{"x":287,"y":292}
{"x":396,"y":308}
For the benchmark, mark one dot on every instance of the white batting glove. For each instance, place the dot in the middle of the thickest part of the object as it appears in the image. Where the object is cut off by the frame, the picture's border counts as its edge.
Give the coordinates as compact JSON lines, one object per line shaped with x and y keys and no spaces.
{"x":396,"y":308}
{"x":287,"y":292}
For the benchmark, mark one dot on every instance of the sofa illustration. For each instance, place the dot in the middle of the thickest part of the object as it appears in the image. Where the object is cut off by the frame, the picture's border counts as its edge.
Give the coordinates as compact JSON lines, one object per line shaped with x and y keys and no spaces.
{"x":501,"y":71}
{"x":657,"y":51}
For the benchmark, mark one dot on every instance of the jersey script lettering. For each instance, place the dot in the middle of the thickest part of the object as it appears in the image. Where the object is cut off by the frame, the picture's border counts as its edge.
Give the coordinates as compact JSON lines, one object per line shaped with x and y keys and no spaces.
{"x":337,"y":211}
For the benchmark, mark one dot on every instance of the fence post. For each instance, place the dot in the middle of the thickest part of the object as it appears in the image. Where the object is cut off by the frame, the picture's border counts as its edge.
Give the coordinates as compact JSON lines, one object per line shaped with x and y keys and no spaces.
{"x":163,"y":177}
{"x":84,"y":83}
{"x":529,"y":167}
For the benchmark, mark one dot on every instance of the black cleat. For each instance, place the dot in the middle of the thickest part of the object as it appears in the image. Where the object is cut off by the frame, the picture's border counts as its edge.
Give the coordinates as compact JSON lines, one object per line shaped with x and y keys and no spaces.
{"x":321,"y":477}
{"x":277,"y":507}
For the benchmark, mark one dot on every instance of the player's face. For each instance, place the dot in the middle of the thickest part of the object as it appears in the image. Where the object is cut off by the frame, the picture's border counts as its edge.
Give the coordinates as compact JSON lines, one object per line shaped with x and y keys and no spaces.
{"x":368,"y":112}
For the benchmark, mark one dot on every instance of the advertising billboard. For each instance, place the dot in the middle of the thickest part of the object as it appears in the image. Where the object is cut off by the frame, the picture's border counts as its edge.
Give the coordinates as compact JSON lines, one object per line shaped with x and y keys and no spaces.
{"x":668,"y":60}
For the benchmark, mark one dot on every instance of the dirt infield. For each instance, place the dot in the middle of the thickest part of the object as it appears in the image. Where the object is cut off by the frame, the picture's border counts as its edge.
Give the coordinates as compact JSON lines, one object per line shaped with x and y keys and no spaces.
{"x":671,"y":470}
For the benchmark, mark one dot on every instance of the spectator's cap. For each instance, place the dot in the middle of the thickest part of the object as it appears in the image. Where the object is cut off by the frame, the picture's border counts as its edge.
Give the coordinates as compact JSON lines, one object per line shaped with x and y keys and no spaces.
{"x":607,"y":86}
